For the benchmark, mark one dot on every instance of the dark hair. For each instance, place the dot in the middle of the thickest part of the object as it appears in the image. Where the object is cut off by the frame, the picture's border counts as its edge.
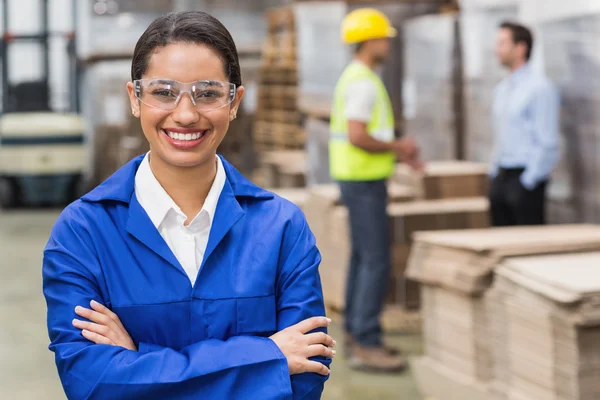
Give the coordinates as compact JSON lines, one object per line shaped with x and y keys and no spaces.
{"x":187,"y":27}
{"x":520,"y":34}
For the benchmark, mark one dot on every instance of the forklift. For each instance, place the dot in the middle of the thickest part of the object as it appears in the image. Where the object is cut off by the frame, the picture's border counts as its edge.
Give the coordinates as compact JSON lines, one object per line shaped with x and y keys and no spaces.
{"x":42,"y":143}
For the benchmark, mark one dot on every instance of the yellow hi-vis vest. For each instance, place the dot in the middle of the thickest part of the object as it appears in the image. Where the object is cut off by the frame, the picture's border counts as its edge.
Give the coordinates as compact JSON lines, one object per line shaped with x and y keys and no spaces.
{"x":348,"y":162}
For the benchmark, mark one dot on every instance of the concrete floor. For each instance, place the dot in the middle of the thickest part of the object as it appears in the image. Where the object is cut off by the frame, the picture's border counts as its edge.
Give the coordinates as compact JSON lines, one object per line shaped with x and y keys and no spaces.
{"x":27,"y":367}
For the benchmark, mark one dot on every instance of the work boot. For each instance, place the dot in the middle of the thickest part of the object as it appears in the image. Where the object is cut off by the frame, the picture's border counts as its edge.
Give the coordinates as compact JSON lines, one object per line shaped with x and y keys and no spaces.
{"x":375,"y":359}
{"x":350,"y":342}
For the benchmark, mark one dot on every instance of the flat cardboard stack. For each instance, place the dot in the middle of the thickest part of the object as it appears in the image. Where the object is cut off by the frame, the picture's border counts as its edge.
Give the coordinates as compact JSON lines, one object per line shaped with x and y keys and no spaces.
{"x":552,"y":326}
{"x":456,"y":269}
{"x":445,"y":179}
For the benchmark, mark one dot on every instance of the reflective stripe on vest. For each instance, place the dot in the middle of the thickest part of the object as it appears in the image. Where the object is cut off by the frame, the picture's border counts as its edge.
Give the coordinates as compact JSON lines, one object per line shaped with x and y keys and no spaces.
{"x":346,"y":161}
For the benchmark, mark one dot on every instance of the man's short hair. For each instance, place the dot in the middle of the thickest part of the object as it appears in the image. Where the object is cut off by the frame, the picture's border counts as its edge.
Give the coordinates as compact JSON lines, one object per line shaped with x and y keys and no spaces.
{"x":520,"y":34}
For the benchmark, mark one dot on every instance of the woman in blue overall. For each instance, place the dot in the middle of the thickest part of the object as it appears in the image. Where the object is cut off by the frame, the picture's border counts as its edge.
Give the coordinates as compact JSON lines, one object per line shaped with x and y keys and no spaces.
{"x":177,"y":278}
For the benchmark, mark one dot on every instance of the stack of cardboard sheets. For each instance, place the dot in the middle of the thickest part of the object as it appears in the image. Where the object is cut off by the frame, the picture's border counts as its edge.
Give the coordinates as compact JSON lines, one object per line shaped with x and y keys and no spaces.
{"x":552,"y":332}
{"x":445,"y":179}
{"x":459,"y":312}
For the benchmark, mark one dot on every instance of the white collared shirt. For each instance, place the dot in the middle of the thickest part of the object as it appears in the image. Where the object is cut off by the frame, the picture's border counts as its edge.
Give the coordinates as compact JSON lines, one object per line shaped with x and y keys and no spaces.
{"x":188,"y":243}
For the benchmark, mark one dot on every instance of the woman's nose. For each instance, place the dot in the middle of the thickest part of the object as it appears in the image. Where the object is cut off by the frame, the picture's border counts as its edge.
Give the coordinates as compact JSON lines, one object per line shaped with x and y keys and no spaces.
{"x":186,"y":113}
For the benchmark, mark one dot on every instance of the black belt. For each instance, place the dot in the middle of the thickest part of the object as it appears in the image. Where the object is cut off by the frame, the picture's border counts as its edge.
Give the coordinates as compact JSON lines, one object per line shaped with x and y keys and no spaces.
{"x":511,"y":171}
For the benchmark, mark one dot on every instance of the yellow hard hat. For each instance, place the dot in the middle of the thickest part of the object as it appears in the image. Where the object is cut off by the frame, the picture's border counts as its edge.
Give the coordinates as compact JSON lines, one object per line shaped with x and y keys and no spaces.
{"x":366,"y":24}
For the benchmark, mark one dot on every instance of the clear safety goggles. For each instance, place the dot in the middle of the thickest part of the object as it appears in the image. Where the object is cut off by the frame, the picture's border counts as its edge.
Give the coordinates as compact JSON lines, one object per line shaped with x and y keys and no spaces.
{"x":166,"y":94}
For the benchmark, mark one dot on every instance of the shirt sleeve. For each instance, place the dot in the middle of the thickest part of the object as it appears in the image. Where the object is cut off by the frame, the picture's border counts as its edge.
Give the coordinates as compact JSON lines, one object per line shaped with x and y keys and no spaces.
{"x":545,"y":152}
{"x":237,"y":368}
{"x":300,"y":296}
{"x":360,"y":100}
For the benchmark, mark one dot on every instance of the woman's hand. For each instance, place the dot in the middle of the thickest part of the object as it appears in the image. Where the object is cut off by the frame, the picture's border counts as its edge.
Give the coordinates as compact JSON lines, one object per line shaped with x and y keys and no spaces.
{"x":298,"y":346}
{"x":105,"y":328}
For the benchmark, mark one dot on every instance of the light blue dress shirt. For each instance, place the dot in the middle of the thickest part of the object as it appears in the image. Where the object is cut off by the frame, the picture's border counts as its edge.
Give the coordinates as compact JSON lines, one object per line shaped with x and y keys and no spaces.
{"x":526,"y":124}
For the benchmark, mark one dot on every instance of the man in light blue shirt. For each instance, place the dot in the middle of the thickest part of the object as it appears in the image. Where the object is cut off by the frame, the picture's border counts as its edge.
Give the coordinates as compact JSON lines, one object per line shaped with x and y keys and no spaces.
{"x":526,"y":125}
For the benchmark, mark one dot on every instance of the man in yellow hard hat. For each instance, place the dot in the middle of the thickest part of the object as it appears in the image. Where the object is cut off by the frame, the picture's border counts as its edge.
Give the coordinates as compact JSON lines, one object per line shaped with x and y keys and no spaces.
{"x":362,"y":154}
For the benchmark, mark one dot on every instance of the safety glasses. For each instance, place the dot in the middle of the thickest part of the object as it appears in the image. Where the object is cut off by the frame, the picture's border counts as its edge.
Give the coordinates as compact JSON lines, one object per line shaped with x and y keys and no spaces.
{"x":166,"y":94}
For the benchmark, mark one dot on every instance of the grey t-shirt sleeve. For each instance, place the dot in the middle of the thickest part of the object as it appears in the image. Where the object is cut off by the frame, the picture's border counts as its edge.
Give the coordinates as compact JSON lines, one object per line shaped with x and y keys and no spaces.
{"x":360,"y":99}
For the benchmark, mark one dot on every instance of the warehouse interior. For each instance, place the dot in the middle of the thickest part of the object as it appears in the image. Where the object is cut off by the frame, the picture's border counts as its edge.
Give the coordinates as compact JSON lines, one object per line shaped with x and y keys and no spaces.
{"x":478,"y":312}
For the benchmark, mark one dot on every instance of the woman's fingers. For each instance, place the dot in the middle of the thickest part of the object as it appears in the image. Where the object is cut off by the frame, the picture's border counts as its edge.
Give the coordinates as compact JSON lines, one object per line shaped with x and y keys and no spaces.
{"x":320,"y":338}
{"x":105,"y":311}
{"x":317,"y":368}
{"x":313,"y":323}
{"x":96,"y":338}
{"x":92,"y":327}
{"x":318,"y":350}
{"x":93,"y":316}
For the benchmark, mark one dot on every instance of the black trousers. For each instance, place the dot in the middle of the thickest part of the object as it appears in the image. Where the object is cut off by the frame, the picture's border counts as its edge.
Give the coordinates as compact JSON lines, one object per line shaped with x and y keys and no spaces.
{"x":512,"y":204}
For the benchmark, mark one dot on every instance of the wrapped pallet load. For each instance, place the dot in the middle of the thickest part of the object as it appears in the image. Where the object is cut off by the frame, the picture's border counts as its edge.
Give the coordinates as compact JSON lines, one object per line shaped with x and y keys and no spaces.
{"x":460,"y":312}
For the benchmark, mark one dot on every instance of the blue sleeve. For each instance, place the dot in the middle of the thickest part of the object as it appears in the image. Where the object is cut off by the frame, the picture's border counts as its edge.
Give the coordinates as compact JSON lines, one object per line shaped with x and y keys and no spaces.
{"x":239,"y":368}
{"x":546,"y":140}
{"x":300,"y":295}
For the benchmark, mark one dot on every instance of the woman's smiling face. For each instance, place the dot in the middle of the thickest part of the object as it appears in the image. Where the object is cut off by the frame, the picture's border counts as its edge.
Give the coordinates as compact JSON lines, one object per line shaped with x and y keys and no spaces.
{"x":204,"y":129}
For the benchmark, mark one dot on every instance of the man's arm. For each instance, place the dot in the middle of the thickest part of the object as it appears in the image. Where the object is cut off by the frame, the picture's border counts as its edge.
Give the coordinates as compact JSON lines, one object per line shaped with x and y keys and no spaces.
{"x":359,"y":137}
{"x":545,"y":152}
{"x":360,"y":101}
{"x":238,"y":368}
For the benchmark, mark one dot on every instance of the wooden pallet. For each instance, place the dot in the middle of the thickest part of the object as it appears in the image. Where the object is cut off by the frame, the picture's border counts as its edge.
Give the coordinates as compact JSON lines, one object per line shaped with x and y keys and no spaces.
{"x":278,"y":121}
{"x":280,"y":116}
{"x":279,"y":74}
{"x":280,"y":46}
{"x":277,"y":98}
{"x":273,"y":135}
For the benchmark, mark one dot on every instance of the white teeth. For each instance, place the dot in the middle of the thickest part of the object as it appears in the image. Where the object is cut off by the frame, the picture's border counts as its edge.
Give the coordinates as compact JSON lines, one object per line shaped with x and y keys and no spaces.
{"x":185,"y":136}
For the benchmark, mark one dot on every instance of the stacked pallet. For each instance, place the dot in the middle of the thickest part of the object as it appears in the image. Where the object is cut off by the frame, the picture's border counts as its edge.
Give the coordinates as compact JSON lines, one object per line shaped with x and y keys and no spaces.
{"x":455,"y":269}
{"x":277,"y":124}
{"x":553,"y":326}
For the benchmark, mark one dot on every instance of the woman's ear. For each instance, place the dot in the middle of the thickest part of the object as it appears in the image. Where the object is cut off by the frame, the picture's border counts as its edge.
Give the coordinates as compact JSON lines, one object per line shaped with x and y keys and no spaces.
{"x":235,"y":105}
{"x":133,"y":100}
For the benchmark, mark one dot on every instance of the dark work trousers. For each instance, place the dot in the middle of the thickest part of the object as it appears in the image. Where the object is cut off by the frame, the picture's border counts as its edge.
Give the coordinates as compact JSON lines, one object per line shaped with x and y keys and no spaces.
{"x":511,"y":204}
{"x":370,"y":263}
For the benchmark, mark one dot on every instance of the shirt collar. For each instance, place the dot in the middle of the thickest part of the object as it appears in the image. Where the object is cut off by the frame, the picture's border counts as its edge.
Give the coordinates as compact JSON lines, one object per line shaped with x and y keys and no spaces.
{"x":152,"y":196}
{"x":158,"y":204}
{"x":120,"y":186}
{"x":520,"y":73}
